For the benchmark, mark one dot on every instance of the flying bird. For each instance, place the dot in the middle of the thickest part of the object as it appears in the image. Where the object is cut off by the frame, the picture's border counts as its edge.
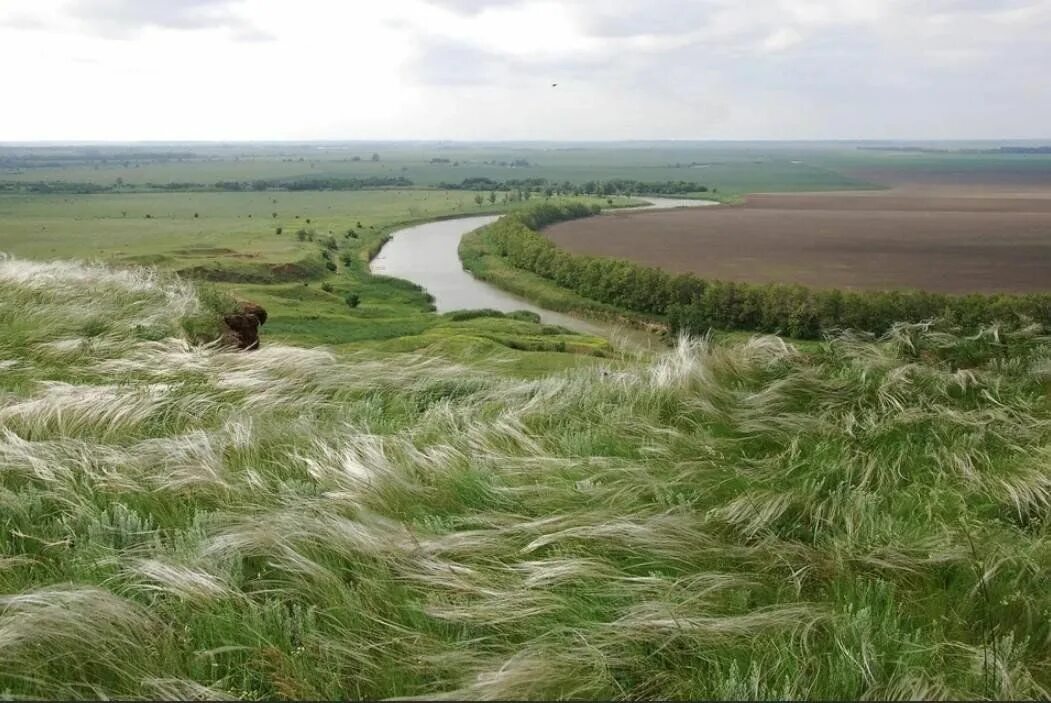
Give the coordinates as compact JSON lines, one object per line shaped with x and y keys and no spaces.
{"x":554,"y":85}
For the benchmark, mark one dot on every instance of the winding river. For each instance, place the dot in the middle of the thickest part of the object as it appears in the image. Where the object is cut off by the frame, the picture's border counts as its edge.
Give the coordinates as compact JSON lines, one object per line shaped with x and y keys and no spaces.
{"x":427,"y":255}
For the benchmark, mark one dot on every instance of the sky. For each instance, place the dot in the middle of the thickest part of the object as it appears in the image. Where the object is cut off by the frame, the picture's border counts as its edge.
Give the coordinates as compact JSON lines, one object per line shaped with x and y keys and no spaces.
{"x":128,"y":70}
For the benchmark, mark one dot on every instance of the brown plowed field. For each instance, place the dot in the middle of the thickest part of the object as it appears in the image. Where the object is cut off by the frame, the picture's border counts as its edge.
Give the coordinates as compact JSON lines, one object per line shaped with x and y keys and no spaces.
{"x":880,"y":240}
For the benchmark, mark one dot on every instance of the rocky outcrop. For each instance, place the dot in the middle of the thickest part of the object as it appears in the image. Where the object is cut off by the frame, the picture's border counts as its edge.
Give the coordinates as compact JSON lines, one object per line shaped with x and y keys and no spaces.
{"x":242,"y":326}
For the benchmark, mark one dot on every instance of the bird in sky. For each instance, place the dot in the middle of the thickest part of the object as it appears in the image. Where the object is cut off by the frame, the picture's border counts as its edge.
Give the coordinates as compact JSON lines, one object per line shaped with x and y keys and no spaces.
{"x":554,"y":85}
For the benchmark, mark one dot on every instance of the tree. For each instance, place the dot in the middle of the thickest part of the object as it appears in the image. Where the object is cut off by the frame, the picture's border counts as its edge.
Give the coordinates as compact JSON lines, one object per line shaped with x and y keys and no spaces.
{"x":479,"y":199}
{"x":375,"y":157}
{"x":492,"y":196}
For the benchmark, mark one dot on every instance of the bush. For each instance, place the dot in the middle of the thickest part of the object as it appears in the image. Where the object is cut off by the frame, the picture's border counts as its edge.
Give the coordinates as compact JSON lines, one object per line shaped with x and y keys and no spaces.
{"x":327,"y":287}
{"x":352,"y":300}
{"x":464,"y":315}
{"x":331,"y":266}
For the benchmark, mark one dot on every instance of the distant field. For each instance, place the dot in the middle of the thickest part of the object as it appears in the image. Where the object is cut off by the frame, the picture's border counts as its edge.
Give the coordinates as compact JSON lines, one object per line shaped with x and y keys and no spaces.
{"x":1003,"y":174}
{"x":732,"y":168}
{"x":116,"y":227}
{"x":952,"y":244}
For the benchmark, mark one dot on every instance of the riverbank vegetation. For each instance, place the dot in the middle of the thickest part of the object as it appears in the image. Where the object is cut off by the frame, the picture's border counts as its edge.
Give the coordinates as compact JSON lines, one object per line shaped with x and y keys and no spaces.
{"x":694,"y":305}
{"x":861,"y":520}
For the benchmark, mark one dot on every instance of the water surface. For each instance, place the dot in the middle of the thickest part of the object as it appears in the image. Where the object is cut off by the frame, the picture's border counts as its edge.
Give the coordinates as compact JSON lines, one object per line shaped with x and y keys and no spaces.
{"x":428,"y":255}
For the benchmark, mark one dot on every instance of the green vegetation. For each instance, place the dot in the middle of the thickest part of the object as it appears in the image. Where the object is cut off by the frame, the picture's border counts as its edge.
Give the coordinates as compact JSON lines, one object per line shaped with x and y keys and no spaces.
{"x":864,"y":520}
{"x":693,"y":305}
{"x":615,"y":187}
{"x":475,"y":504}
{"x":733,"y":169}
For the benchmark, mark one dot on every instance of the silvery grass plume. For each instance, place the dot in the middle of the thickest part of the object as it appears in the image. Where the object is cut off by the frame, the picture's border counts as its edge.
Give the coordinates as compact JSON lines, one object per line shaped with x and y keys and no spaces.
{"x":857,"y":518}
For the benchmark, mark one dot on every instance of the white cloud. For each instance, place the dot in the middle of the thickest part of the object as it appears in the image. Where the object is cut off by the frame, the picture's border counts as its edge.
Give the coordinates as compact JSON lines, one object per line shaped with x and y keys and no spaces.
{"x":781,"y":39}
{"x":240,"y":69}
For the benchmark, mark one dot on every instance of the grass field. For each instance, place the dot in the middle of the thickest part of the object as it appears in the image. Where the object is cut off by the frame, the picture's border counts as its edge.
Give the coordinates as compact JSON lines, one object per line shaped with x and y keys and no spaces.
{"x":386,"y":502}
{"x":885,"y":240}
{"x":732,"y":169}
{"x":862,"y":520}
{"x":112,"y":227}
{"x":231,"y":240}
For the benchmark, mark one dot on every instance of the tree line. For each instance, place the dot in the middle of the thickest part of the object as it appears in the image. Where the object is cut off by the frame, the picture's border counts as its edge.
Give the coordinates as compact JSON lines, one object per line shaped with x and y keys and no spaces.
{"x":297,"y":184}
{"x":618,"y":186}
{"x":695,"y":305}
{"x":316,"y":183}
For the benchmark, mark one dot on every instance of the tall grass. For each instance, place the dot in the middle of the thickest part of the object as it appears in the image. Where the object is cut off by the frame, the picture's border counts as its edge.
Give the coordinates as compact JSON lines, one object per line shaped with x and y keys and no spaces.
{"x":868,"y":519}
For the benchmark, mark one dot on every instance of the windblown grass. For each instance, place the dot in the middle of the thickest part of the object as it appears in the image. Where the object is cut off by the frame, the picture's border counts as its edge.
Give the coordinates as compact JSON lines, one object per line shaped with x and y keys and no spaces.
{"x":740,"y":520}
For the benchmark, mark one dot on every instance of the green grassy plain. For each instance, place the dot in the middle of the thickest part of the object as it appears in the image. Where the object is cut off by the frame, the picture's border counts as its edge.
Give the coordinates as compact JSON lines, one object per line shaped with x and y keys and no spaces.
{"x":114,"y":227}
{"x":230,"y":240}
{"x":732,"y":169}
{"x":721,"y":521}
{"x":385,"y":502}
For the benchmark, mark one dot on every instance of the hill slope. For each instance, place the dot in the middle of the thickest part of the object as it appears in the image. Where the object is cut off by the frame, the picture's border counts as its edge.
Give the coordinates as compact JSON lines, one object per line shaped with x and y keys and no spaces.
{"x":731,"y":521}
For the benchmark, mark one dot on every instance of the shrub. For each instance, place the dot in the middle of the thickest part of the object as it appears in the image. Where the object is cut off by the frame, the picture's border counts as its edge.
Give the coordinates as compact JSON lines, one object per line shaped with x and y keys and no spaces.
{"x":352,"y":300}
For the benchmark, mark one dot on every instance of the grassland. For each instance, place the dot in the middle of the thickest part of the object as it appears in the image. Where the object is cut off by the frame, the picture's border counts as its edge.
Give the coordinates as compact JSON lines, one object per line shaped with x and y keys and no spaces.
{"x":420,"y":508}
{"x":232,"y":240}
{"x":862,"y":520}
{"x":732,"y":169}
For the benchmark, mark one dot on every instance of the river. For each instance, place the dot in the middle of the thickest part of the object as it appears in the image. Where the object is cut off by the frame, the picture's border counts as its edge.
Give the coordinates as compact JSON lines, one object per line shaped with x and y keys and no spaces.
{"x":427,"y":254}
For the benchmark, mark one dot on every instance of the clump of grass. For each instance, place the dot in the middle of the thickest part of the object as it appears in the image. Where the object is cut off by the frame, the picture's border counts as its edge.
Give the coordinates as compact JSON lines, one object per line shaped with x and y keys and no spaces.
{"x":863,"y":519}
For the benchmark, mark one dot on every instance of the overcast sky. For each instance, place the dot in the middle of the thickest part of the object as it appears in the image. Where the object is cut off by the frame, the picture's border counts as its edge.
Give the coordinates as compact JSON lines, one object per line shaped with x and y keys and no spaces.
{"x":483,"y":69}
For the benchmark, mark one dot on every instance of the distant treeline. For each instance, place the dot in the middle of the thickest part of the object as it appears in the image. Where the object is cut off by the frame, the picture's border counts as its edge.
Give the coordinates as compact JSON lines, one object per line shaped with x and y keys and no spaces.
{"x":935,"y":150}
{"x":60,"y":187}
{"x":51,"y":157}
{"x":72,"y":188}
{"x":316,"y":183}
{"x":695,"y":305}
{"x":619,"y":186}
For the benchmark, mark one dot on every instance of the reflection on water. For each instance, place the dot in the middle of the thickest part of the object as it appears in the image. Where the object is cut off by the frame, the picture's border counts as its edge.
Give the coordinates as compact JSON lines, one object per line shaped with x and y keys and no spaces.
{"x":427,"y":255}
